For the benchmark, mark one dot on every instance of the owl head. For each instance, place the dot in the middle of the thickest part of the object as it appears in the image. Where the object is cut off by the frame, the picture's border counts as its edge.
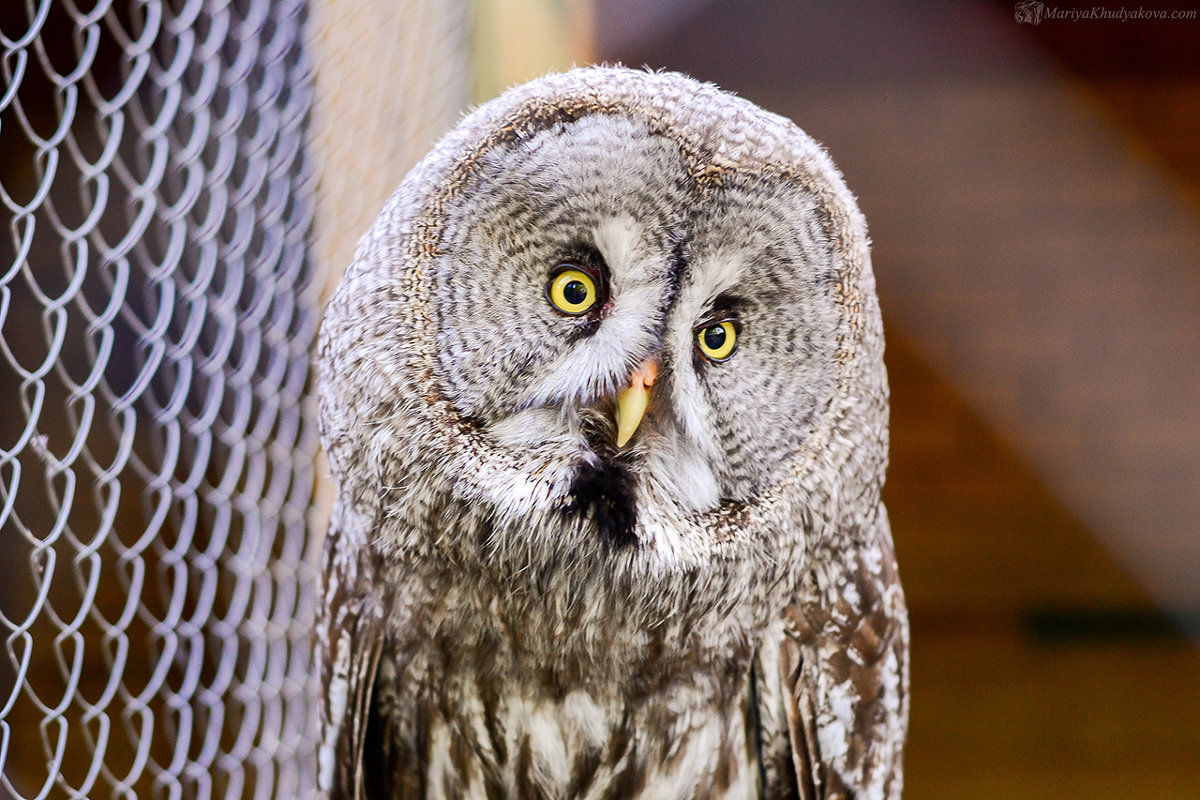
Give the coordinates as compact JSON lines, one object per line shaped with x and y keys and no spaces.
{"x":613,"y":315}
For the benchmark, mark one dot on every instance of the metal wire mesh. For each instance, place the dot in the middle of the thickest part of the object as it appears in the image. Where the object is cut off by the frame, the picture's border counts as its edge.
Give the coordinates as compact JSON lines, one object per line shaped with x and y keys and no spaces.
{"x":156,"y":450}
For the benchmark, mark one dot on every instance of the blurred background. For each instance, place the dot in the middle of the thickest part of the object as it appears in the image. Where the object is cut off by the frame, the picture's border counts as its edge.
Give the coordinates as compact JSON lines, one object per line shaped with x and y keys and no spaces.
{"x":1031,"y":179}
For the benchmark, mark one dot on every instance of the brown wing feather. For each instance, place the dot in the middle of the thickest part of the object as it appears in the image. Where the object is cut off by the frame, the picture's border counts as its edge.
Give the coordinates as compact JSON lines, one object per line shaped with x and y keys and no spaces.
{"x":844,"y":667}
{"x":349,"y":679}
{"x":800,"y":721}
{"x":362,"y":683}
{"x":350,"y":634}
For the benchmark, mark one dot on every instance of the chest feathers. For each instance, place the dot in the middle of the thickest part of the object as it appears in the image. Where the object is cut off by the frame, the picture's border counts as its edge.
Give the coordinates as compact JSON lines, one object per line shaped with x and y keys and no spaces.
{"x":482,"y":706}
{"x":476,"y":734}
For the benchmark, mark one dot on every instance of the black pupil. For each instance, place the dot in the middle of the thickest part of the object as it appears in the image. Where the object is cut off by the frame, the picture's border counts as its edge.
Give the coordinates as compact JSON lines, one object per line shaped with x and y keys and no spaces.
{"x":714,"y":337}
{"x":575,"y":293}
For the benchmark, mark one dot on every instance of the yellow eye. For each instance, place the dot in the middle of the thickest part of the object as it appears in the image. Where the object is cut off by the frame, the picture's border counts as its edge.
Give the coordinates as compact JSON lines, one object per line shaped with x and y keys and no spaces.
{"x":572,"y":291}
{"x":718,"y":341}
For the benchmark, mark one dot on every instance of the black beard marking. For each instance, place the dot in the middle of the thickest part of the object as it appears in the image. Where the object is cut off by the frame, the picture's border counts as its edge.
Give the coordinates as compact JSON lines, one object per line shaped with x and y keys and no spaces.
{"x":604,"y":491}
{"x":604,"y":488}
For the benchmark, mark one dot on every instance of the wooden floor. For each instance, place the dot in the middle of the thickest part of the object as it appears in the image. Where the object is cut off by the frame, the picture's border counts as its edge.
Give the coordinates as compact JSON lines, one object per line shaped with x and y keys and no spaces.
{"x":1034,"y":209}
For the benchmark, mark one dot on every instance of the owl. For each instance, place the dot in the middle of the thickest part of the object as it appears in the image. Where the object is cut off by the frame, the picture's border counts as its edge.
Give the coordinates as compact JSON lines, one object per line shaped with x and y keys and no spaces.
{"x":604,"y":398}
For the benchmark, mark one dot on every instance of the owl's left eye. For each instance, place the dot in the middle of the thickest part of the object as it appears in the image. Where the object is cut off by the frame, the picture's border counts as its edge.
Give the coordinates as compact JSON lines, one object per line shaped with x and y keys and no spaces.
{"x":572,"y":291}
{"x":718,"y":340}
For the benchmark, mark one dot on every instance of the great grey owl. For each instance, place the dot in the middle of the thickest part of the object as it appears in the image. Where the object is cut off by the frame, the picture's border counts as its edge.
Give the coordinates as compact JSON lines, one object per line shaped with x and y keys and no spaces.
{"x":604,"y":397}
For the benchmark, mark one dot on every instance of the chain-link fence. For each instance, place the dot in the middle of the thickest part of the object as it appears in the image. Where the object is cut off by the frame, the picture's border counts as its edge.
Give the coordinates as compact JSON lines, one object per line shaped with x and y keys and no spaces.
{"x":157,"y":305}
{"x":156,"y":449}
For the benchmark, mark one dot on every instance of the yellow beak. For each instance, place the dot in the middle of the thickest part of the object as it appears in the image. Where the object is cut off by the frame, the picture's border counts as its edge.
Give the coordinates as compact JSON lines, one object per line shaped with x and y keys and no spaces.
{"x":633,"y":399}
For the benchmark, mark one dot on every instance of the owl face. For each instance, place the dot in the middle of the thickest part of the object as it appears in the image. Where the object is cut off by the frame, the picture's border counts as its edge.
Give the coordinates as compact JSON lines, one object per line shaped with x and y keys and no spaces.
{"x":590,"y":251}
{"x":612,"y":311}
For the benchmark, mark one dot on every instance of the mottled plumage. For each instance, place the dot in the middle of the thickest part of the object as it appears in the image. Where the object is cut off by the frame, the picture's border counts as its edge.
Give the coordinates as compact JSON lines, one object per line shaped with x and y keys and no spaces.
{"x":517,"y":606}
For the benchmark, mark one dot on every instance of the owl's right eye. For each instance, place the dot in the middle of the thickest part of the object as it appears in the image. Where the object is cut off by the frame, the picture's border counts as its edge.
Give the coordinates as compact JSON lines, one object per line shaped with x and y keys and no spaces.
{"x":572,"y":291}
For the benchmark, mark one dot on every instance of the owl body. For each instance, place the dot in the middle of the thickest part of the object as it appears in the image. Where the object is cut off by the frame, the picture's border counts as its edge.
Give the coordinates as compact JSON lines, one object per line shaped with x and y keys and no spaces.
{"x":524,"y":700}
{"x":603,"y":393}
